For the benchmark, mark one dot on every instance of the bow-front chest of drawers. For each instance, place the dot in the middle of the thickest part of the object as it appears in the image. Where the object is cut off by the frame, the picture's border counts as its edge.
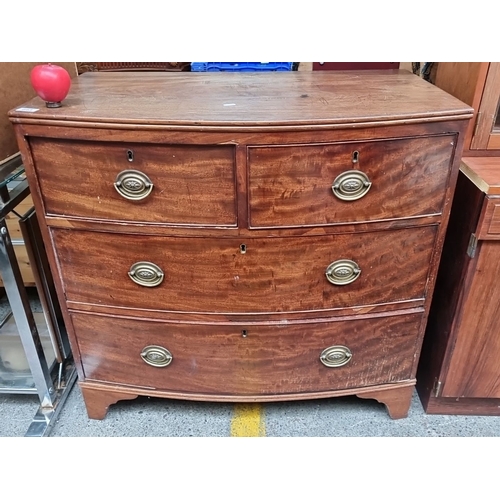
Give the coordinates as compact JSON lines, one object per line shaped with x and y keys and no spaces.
{"x":244,"y":237}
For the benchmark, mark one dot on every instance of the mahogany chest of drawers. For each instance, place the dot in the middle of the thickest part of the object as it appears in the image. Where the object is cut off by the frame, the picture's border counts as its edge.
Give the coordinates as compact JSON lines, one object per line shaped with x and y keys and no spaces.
{"x":246,"y":236}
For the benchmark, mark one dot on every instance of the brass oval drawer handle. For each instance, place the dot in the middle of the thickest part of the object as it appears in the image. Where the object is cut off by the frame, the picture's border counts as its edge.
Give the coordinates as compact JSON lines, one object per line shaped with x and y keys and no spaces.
{"x":133,"y":185}
{"x":351,"y":185}
{"x":146,"y":274}
{"x":335,"y":356}
{"x":342,"y":272}
{"x":156,"y":355}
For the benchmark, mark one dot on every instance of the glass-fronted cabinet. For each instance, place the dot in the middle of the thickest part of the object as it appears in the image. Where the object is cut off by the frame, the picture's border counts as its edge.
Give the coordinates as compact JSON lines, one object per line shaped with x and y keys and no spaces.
{"x":477,"y":84}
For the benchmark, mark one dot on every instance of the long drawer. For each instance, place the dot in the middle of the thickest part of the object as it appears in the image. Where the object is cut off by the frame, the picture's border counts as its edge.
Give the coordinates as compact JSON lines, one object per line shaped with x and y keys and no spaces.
{"x":254,"y":275}
{"x":248,"y":359}
{"x":348,"y":182}
{"x":137,"y":182}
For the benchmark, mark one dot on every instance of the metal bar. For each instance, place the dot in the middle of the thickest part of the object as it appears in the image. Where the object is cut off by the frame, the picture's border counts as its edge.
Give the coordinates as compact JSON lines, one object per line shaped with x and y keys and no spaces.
{"x":16,"y":196}
{"x":10,"y":390}
{"x":30,"y":229}
{"x":4,"y":194}
{"x":23,"y":316}
{"x":10,"y":164}
{"x":45,"y":418}
{"x":34,"y":259}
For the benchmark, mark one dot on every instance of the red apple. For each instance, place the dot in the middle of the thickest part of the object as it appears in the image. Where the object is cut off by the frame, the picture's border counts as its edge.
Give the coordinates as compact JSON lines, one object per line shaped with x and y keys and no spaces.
{"x":51,"y":82}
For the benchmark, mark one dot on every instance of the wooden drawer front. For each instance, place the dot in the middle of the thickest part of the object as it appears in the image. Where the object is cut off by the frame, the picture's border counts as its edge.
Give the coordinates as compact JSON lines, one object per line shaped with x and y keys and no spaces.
{"x":274,"y":275}
{"x":218,"y":359}
{"x":292,"y":185}
{"x":191,"y":184}
{"x":489,"y":226}
{"x":495,"y":219}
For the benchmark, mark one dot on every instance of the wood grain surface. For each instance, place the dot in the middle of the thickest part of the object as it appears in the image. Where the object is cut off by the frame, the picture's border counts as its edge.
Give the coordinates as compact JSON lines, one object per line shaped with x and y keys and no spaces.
{"x":465,"y":81}
{"x":485,"y":127}
{"x":489,"y":224}
{"x":474,"y":368}
{"x":484,"y":172}
{"x":450,"y":281}
{"x":269,"y":360}
{"x":274,"y":275}
{"x":292,"y":185}
{"x":192,"y":184}
{"x":273,"y":98}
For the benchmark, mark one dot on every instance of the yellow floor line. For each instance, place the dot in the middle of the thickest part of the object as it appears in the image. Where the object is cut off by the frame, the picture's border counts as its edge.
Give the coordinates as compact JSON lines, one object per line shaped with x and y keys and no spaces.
{"x":248,"y":421}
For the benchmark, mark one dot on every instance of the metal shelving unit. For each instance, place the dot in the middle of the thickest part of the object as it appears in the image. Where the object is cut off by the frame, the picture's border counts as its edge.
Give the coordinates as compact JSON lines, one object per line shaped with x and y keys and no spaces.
{"x":35,"y":356}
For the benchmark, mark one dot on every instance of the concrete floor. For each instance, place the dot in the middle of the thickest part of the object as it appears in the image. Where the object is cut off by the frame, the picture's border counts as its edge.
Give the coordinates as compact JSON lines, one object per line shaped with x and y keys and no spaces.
{"x":335,"y":417}
{"x":152,"y":417}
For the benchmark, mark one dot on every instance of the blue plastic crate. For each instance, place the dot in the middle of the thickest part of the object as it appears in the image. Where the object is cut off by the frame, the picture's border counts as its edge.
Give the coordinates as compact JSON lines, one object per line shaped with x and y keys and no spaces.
{"x":241,"y":66}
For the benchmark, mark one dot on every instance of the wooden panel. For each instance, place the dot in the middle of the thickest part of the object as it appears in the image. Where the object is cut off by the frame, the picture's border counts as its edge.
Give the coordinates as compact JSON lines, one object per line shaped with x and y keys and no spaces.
{"x":192,"y":185}
{"x":484,"y":172}
{"x":305,"y":66}
{"x":451,"y":282}
{"x":237,"y":100}
{"x":489,"y":225}
{"x":463,"y":406}
{"x":217,"y":359}
{"x":494,"y":141}
{"x":292,"y":185}
{"x":24,"y":266}
{"x":16,"y":88}
{"x":12,"y":220}
{"x":465,"y":81}
{"x":494,"y":227}
{"x":474,"y":370}
{"x":274,"y":275}
{"x":488,"y":108}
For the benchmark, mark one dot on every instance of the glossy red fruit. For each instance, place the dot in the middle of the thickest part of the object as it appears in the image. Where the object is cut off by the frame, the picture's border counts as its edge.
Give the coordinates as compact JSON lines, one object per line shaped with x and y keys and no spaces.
{"x":51,"y":82}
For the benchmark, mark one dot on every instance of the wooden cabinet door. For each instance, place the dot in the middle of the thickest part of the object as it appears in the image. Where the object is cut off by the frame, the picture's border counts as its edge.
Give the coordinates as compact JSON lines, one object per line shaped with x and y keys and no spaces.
{"x":474,"y":369}
{"x":487,"y":132}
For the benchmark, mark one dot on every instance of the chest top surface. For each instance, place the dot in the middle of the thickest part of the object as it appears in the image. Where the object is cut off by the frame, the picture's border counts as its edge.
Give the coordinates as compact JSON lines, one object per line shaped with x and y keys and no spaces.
{"x":274,"y":99}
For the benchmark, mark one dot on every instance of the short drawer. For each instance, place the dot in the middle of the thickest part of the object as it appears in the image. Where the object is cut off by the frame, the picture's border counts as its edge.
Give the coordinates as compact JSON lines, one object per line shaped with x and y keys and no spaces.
{"x":137,"y":182}
{"x":247,"y":359}
{"x":326,"y":184}
{"x":255,"y":275}
{"x":489,"y":225}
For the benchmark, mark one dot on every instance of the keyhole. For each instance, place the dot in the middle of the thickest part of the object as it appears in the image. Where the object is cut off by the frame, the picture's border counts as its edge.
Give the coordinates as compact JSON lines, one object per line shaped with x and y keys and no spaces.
{"x":355,"y":157}
{"x":244,"y":333}
{"x":243,"y":248}
{"x":130,"y":155}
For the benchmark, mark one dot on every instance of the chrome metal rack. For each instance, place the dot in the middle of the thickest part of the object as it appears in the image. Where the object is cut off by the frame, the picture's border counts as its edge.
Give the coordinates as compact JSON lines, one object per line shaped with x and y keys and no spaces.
{"x":35,"y":356}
